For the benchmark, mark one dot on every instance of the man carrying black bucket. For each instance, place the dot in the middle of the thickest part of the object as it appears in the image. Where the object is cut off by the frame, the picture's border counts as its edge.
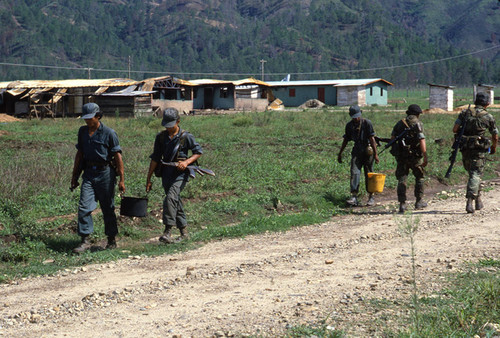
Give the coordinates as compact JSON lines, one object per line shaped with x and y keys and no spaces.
{"x":410,"y":152}
{"x":99,"y":157}
{"x":364,"y":152}
{"x":173,"y":145}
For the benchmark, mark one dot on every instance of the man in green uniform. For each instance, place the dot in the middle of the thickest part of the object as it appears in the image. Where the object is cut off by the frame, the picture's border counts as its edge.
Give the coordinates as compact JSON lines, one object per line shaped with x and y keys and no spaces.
{"x":475,"y":145}
{"x":410,"y":152}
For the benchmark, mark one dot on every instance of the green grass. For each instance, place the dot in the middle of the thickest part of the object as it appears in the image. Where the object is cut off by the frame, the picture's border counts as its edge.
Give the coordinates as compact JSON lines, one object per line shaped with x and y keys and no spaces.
{"x":275,"y":170}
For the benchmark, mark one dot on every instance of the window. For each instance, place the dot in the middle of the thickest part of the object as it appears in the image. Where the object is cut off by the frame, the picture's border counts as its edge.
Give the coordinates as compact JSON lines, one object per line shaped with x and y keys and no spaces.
{"x":371,"y":91}
{"x":291,"y":92}
{"x":381,"y":91}
{"x":224,"y":92}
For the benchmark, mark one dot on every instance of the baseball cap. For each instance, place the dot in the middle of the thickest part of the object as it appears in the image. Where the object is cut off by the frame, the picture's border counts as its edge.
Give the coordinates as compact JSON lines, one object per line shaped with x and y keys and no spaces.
{"x":354,"y":111}
{"x":170,"y":117}
{"x":89,"y":110}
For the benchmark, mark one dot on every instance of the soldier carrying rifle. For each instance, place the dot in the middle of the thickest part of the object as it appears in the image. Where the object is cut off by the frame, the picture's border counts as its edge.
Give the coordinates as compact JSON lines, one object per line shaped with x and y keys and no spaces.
{"x":474,"y":146}
{"x":410,"y":152}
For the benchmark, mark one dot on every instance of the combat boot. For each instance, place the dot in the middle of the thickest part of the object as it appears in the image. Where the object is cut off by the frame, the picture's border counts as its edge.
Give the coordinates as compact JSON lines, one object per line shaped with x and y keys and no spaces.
{"x":479,"y":203}
{"x":469,"y":207}
{"x":167,"y":236}
{"x":84,"y":245}
{"x":420,"y":204}
{"x":184,"y":234}
{"x":111,"y":243}
{"x":402,"y":207}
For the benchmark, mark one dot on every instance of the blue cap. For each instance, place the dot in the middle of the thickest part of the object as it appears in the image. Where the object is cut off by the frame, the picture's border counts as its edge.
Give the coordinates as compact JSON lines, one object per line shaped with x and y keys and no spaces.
{"x":89,"y":110}
{"x":170,"y":117}
{"x":354,"y":111}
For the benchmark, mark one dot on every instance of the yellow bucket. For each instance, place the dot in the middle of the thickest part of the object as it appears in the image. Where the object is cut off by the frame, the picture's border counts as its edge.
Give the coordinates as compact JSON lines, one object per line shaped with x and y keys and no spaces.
{"x":375,"y":182}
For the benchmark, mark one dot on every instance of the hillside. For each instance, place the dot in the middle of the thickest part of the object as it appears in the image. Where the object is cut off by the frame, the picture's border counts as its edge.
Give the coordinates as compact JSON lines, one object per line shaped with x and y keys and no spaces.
{"x":194,"y":38}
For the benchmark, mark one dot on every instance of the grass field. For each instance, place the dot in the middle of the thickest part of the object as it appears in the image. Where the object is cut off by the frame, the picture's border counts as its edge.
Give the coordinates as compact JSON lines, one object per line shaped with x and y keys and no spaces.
{"x":274,"y":170}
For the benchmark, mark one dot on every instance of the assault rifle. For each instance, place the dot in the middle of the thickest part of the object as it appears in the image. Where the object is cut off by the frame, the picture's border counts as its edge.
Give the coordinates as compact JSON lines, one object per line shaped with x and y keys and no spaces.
{"x":192,"y":169}
{"x":456,"y":147}
{"x":396,"y":139}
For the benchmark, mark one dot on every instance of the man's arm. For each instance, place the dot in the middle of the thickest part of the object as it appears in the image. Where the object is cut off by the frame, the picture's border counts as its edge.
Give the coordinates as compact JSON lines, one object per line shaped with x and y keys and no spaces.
{"x":182,"y":165}
{"x":152,"y":166}
{"x":423,"y":149}
{"x":120,"y":171}
{"x":77,"y":169}
{"x":374,"y":147}
{"x":494,"y":142}
{"x":342,"y":147}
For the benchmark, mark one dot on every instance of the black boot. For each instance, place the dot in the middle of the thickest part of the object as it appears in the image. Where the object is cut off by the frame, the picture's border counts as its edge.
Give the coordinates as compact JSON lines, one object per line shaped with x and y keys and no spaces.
{"x":402,"y":207}
{"x":420,"y":204}
{"x":111,"y":243}
{"x":84,"y":245}
{"x":469,"y":207}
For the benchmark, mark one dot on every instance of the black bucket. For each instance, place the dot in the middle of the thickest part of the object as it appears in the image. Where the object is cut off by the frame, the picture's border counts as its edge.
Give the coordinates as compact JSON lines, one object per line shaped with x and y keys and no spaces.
{"x":134,"y":206}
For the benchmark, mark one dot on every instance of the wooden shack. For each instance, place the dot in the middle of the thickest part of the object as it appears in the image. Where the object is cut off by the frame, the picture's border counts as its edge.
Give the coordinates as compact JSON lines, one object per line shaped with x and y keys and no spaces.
{"x":52,"y":98}
{"x":441,"y":96}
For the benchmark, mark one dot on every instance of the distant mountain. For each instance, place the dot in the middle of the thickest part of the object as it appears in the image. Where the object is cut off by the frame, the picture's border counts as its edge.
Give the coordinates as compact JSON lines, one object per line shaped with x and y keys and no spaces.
{"x":227,"y":39}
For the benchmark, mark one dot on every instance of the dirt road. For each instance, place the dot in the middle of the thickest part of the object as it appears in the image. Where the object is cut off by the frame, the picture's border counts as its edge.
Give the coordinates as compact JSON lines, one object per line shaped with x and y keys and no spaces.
{"x":260,"y":284}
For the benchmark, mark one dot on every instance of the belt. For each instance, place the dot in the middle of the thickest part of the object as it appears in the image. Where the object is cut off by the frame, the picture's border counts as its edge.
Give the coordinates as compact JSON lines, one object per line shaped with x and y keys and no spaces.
{"x":97,"y":165}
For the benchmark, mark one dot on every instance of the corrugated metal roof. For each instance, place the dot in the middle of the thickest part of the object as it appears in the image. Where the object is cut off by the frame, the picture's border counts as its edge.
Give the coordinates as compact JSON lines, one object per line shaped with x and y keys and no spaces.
{"x":336,"y":83}
{"x":73,"y":83}
{"x":202,"y":82}
{"x":250,"y":80}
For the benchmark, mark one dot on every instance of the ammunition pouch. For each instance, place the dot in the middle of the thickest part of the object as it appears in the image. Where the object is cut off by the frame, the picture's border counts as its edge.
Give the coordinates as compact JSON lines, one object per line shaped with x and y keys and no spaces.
{"x":478,"y":143}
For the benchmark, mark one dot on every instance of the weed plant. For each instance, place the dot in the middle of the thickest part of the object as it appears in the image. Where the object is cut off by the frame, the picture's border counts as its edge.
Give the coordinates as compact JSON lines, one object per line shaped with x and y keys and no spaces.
{"x":275,"y":170}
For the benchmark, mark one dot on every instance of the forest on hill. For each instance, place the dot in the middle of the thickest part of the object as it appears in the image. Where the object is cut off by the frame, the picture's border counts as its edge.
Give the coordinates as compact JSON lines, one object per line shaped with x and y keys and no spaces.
{"x":407,"y":42}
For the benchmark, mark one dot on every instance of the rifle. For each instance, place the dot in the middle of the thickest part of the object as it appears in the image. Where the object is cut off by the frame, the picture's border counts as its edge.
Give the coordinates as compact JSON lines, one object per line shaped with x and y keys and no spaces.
{"x":396,"y":139}
{"x":456,"y":146}
{"x":192,"y":169}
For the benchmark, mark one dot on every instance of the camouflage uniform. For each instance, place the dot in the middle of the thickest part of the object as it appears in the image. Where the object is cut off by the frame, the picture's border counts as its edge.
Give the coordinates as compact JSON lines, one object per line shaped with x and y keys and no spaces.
{"x":475,"y":145}
{"x":409,"y":156}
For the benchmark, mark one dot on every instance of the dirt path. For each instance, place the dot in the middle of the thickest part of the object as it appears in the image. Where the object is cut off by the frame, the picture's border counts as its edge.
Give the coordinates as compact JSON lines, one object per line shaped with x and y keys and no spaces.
{"x":260,"y":284}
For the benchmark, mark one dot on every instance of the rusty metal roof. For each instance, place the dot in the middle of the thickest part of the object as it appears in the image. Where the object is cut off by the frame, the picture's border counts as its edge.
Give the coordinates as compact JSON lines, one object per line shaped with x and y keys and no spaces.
{"x":73,"y":83}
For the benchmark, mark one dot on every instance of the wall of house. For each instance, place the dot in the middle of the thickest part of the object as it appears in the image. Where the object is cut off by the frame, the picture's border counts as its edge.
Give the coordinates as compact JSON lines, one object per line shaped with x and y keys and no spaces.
{"x":303,"y":94}
{"x":376,"y":93}
{"x":251,"y":104}
{"x":441,"y":97}
{"x":183,"y":106}
{"x":350,"y":95}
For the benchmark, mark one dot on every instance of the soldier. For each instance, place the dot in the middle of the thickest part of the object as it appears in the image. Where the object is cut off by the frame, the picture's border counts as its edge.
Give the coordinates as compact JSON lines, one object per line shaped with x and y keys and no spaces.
{"x":364,"y":152}
{"x":475,"y":146}
{"x":410,"y":152}
{"x":172,"y":145}
{"x":99,"y":153}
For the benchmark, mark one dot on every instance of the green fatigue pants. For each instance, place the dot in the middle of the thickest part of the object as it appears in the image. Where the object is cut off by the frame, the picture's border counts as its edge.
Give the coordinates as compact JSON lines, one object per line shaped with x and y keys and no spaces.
{"x":404,"y":165}
{"x":473,"y":161}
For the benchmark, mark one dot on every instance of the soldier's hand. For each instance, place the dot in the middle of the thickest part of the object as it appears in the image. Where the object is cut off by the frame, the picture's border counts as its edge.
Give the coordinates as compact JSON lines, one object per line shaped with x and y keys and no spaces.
{"x":339,"y":158}
{"x":121,"y":187}
{"x":149,"y":185}
{"x":377,"y":160}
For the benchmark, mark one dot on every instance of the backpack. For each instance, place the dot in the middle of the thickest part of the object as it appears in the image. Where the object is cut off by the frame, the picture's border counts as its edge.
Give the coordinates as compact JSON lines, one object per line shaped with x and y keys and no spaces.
{"x":409,"y":144}
{"x":475,"y":127}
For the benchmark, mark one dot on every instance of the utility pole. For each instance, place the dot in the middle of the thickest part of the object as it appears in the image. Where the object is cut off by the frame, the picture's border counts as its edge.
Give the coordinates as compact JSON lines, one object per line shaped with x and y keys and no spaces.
{"x":89,"y":69}
{"x":262,"y":68}
{"x":129,"y":66}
